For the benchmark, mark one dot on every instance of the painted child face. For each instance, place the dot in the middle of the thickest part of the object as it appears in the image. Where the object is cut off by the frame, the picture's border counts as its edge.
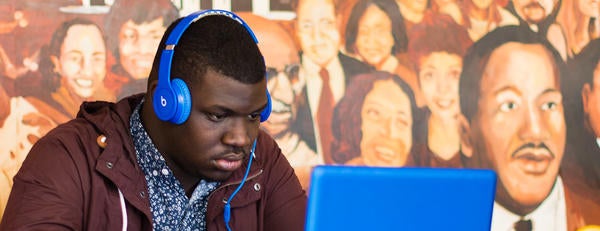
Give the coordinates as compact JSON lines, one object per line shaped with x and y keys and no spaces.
{"x":439,"y":73}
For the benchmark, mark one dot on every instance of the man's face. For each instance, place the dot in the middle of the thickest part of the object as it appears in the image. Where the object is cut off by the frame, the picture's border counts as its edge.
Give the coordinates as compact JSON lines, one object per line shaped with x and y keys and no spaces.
{"x":520,"y":123}
{"x":218,"y":135}
{"x":439,"y":73}
{"x":82,"y":61}
{"x":533,"y":11}
{"x":374,"y":40}
{"x":386,"y":125}
{"x":592,"y":104}
{"x":137,"y":46}
{"x":317,"y":30}
{"x":281,"y":58}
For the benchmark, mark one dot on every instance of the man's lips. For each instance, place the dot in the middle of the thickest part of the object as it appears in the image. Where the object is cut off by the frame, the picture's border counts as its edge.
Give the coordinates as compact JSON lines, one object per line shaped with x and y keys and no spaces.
{"x":230,"y":162}
{"x":228,"y":165}
{"x":534,"y":161}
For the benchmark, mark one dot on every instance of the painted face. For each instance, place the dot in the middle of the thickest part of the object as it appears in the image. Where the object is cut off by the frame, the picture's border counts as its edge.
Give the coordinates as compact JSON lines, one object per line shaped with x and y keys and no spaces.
{"x":590,"y":8}
{"x":481,"y":4}
{"x":592,"y":105}
{"x":282,"y":95}
{"x":82,"y":61}
{"x":414,"y":5}
{"x":282,"y":63}
{"x":374,"y":40}
{"x":386,"y":125}
{"x":218,"y":135}
{"x":533,"y":11}
{"x":282,"y":67}
{"x":521,"y":121}
{"x":317,"y":31}
{"x":438,"y":77}
{"x":137,"y":46}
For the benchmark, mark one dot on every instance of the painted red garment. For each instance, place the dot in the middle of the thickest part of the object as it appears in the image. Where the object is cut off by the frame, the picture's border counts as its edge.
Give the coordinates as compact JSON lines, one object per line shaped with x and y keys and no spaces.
{"x":72,"y":180}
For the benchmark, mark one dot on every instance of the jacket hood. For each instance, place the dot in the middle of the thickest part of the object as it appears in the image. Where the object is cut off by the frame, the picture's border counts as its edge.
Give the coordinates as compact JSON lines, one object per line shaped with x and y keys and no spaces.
{"x":106,"y":116}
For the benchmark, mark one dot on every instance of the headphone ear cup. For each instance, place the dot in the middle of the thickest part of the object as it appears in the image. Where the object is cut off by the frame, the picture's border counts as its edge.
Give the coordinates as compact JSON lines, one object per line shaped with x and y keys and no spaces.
{"x":183,"y":100}
{"x":264,"y":115}
{"x":163,"y":103}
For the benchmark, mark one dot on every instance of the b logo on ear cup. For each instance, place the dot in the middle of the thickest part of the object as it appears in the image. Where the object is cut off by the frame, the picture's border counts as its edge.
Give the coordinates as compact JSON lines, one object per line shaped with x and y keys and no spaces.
{"x":163,"y":103}
{"x":173,"y":104}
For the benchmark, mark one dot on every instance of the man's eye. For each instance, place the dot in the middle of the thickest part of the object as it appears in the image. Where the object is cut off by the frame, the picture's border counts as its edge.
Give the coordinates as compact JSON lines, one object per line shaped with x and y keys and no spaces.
{"x":254,"y":116}
{"x":215,"y":117}
{"x":549,"y":106}
{"x":508,"y":106}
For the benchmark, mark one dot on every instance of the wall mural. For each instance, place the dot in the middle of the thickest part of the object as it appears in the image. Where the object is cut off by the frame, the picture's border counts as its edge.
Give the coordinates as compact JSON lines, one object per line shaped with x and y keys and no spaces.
{"x":512,"y":85}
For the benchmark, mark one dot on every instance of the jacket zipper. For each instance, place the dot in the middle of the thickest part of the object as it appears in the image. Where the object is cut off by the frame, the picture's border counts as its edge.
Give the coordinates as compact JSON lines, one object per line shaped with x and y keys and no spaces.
{"x":234,"y":183}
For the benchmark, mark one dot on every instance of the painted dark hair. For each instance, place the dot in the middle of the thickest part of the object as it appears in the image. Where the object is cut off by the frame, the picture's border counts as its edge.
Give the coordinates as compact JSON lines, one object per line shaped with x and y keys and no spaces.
{"x":437,"y":33}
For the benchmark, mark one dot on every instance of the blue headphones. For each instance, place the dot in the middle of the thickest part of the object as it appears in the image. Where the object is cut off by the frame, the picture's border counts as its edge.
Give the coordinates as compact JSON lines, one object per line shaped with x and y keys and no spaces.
{"x":172,"y":100}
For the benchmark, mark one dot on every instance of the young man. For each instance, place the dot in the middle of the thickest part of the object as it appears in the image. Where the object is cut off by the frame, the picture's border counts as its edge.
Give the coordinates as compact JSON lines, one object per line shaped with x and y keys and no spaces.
{"x":189,"y":156}
{"x":514,"y":121}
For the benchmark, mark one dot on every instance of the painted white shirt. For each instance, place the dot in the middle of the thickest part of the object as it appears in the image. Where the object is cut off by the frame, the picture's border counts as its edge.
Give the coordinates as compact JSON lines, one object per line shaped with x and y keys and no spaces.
{"x":309,"y":73}
{"x":551,"y":215}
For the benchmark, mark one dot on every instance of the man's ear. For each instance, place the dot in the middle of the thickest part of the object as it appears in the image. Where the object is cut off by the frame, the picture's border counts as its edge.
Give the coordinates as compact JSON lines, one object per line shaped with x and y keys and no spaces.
{"x":466,"y":146}
{"x":585,"y":94}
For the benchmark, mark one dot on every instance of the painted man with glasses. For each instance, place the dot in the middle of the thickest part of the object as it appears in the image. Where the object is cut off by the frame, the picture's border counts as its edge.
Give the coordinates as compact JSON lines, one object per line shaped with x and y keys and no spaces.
{"x":282,"y":60}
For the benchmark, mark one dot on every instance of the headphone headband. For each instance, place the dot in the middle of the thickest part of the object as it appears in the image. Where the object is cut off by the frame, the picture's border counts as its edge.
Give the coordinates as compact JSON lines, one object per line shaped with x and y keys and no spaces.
{"x":177,"y":33}
{"x":172,"y":100}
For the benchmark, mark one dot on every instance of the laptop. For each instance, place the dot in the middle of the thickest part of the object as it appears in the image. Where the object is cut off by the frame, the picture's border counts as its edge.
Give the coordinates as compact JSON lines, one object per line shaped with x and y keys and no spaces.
{"x":381,"y":198}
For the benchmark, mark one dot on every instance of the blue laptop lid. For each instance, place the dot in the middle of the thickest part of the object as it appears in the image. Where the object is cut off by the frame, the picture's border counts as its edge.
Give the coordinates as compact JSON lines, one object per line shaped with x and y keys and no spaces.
{"x":378,"y":198}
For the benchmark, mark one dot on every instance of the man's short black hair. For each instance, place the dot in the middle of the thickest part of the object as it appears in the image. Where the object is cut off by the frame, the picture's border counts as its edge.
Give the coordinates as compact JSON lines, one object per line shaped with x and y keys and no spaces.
{"x":478,"y":55}
{"x":213,"y":42}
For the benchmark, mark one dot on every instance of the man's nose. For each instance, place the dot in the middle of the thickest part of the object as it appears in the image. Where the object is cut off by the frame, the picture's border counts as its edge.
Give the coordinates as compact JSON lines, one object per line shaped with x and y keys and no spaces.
{"x":237,"y":133}
{"x":533,"y":127}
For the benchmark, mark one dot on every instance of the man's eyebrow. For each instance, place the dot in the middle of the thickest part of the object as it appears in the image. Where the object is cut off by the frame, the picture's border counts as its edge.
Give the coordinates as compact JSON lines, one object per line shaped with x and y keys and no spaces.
{"x":550,"y":90}
{"x":507,"y":88}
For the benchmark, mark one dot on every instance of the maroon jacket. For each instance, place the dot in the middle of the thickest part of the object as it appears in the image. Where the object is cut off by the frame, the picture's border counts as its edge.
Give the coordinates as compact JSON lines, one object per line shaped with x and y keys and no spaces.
{"x":72,"y":180}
